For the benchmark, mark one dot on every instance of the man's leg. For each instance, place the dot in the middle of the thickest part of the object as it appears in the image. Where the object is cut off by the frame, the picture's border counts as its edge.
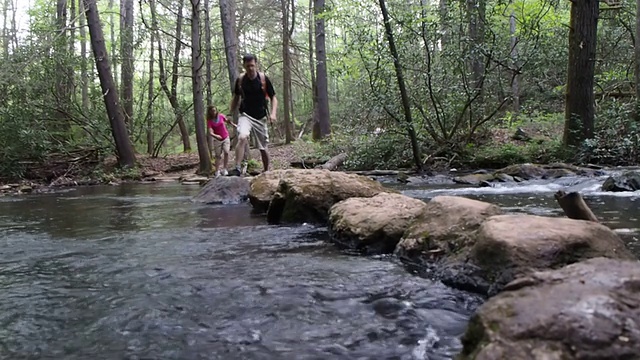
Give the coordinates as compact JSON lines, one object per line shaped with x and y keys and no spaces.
{"x":244,"y":130}
{"x":265,"y":159}
{"x":262,"y":139}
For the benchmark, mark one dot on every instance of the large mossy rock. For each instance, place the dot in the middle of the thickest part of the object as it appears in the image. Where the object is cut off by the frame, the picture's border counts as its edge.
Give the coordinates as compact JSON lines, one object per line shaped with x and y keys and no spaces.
{"x":373,"y":225}
{"x":588,"y":310}
{"x":445,"y":227}
{"x":307,"y":195}
{"x":224,"y":190}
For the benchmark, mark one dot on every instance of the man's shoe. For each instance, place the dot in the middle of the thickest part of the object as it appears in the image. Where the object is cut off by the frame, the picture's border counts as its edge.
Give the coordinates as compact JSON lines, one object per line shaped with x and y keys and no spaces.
{"x":217,"y":173}
{"x":235,"y":172}
{"x":225,"y":172}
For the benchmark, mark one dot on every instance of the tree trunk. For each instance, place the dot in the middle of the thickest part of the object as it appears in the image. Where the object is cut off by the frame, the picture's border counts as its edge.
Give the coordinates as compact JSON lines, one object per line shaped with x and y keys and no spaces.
{"x":84,"y":76}
{"x":406,"y":104}
{"x":126,"y":65}
{"x":515,"y":81}
{"x":172,"y":94}
{"x":112,"y":29}
{"x":322,"y":84}
{"x":72,"y":47}
{"x":286,"y":70}
{"x":63,"y":73}
{"x":579,"y":97}
{"x":230,"y":37}
{"x":315,"y":125}
{"x":637,"y":60}
{"x":151,"y":94}
{"x":198,"y":103}
{"x":5,"y":29}
{"x":124,"y":149}
{"x":476,"y":10}
{"x":207,"y":40}
{"x":445,"y":23}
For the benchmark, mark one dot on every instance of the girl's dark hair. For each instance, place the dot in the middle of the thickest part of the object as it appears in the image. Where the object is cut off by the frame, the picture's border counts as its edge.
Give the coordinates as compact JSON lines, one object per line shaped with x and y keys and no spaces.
{"x":211,"y":111}
{"x":248,"y":58}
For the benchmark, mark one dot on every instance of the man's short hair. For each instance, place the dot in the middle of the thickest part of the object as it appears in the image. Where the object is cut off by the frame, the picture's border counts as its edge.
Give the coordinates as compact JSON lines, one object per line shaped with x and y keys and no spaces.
{"x":248,"y":58}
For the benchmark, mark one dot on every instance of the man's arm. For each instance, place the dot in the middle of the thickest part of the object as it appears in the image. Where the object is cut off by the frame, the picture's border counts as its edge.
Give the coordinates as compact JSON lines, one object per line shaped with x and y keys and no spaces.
{"x":274,"y":107}
{"x":274,"y":101}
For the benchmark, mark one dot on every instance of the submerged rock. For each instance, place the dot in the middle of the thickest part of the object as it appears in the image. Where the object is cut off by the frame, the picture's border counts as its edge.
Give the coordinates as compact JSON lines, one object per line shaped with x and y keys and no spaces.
{"x":375,"y":224}
{"x":588,"y":310}
{"x":224,"y":190}
{"x":627,"y":181}
{"x":307,"y":195}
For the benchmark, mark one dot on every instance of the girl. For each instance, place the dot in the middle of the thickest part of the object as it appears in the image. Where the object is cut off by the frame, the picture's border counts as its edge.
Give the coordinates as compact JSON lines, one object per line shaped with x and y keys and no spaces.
{"x":221,"y":143}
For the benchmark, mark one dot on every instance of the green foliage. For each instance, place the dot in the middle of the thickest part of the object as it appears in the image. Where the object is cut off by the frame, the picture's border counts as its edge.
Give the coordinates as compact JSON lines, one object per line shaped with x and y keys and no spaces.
{"x":103,"y":176}
{"x":383,"y":151}
{"x":501,"y":155}
{"x":617,"y":136}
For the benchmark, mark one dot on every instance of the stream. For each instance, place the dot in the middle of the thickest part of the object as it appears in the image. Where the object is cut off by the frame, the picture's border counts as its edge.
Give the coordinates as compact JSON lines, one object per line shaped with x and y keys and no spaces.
{"x":138,"y":271}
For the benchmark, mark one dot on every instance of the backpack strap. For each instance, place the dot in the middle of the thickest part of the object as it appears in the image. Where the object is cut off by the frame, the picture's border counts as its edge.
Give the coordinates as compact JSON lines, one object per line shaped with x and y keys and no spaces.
{"x":263,"y":83}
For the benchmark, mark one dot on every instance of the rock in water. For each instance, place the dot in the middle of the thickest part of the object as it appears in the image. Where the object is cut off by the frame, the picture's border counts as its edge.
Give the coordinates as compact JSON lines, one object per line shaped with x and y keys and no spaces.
{"x":628,"y":181}
{"x":224,"y":190}
{"x":373,"y":225}
{"x":588,"y":310}
{"x":307,"y":195}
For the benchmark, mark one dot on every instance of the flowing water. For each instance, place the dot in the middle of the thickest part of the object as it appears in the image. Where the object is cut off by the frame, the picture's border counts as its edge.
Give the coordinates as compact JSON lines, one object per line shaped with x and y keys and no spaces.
{"x":140,"y":272}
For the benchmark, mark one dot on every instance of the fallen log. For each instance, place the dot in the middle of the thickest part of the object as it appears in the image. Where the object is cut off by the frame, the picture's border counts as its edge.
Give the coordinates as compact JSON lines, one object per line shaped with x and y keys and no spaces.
{"x":574,"y":206}
{"x":334,"y":162}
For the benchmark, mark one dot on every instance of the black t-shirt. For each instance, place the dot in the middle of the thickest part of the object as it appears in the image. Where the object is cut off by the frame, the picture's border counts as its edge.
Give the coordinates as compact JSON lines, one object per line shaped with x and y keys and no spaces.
{"x":253,"y":102}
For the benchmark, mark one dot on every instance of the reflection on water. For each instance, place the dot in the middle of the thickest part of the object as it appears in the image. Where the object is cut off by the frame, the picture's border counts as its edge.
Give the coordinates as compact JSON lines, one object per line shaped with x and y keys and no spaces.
{"x":139,"y":271}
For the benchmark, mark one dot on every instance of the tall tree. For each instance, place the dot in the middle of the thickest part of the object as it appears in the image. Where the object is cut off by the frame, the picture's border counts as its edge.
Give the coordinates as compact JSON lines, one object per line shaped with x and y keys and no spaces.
{"x":515,"y":80}
{"x":84,"y":76}
{"x":63,"y":91}
{"x":124,"y":149}
{"x":230,"y":37}
{"x":579,"y":97}
{"x":637,"y":60}
{"x":151,"y":92}
{"x":322,"y":83}
{"x":207,"y":46}
{"x":172,"y":94}
{"x":126,"y":65}
{"x":198,"y":103}
{"x":287,"y":7}
{"x":406,"y":102}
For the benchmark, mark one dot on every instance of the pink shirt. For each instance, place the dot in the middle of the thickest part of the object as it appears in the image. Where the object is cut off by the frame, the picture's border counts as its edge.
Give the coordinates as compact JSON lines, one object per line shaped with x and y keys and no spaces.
{"x":218,"y":126}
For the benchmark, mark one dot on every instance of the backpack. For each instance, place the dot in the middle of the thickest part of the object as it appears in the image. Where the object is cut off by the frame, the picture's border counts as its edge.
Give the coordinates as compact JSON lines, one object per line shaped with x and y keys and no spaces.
{"x":263,"y":83}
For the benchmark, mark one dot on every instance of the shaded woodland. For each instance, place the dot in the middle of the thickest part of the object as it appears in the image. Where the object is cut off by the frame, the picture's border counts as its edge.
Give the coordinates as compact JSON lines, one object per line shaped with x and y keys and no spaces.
{"x":391,"y":83}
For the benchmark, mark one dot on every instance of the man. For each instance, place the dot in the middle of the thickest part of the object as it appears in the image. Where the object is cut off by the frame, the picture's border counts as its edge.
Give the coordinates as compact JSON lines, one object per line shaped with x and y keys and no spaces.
{"x":250,"y":92}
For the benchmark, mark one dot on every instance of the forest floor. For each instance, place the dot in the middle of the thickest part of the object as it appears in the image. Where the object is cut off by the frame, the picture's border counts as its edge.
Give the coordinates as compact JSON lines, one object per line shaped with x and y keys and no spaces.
{"x":69,"y":171}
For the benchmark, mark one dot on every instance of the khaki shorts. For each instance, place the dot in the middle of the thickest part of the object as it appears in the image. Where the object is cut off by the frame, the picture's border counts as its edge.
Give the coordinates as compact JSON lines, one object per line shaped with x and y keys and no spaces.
{"x":220,"y":146}
{"x":248,"y":125}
